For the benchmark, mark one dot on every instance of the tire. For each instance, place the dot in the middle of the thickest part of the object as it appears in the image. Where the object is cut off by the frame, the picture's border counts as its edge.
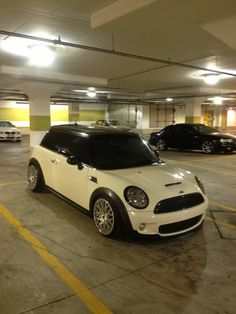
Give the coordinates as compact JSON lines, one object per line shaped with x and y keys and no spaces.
{"x":208,"y":147}
{"x":161,"y":145}
{"x":107,"y":217}
{"x":35,"y":177}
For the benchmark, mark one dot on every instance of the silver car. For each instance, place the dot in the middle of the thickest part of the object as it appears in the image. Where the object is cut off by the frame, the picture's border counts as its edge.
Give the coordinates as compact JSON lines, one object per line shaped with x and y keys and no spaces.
{"x":114,"y":124}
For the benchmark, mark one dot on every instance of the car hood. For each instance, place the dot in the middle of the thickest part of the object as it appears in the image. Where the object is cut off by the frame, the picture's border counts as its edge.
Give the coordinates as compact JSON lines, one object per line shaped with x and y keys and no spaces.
{"x":159,"y":181}
{"x":10,"y":129}
{"x":219,"y":135}
{"x":120,"y":127}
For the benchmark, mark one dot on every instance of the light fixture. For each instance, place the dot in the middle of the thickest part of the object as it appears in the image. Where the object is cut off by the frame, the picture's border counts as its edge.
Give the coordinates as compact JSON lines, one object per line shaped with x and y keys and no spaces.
{"x":217,"y":100}
{"x":169,"y":99}
{"x":211,"y":79}
{"x":91,"y":92}
{"x":40,"y":55}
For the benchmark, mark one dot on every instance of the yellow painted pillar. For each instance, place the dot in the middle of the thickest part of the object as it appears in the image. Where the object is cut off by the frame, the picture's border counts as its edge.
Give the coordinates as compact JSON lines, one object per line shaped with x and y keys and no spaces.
{"x":193,"y":108}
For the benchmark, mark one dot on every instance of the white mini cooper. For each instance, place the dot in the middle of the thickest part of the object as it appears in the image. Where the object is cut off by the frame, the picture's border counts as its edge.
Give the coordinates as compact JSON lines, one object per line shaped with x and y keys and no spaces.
{"x":117,"y":178}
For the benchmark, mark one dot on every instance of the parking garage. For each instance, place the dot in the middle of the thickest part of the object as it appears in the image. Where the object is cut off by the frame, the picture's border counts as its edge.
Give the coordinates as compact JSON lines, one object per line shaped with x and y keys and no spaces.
{"x":53,"y":259}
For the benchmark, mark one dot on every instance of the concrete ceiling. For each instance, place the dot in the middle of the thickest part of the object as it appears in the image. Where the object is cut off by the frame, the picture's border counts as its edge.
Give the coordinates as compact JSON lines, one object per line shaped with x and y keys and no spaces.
{"x":189,"y":36}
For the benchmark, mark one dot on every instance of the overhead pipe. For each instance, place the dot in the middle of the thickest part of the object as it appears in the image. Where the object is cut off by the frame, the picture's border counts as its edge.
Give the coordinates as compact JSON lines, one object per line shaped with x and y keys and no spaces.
{"x":111,"y":52}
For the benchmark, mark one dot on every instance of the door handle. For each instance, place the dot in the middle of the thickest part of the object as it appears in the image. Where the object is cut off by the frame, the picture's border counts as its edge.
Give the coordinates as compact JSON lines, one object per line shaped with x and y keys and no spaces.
{"x":55,"y":161}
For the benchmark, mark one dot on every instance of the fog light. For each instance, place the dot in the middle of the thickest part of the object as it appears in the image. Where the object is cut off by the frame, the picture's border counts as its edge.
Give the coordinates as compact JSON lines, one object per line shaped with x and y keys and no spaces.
{"x":142,"y":226}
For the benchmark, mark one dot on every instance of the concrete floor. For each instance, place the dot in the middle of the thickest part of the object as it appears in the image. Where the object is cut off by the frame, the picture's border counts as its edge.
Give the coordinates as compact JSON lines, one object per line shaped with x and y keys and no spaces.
{"x":191,"y":274}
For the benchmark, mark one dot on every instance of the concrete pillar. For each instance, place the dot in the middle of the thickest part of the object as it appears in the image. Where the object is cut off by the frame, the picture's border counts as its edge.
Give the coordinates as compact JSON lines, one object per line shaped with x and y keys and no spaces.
{"x":193,"y":110}
{"x":74,"y":113}
{"x":217,"y":119}
{"x":39,"y":94}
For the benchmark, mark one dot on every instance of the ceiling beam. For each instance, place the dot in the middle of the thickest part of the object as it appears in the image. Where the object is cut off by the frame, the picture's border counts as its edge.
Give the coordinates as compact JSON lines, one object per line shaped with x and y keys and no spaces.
{"x":116,"y":10}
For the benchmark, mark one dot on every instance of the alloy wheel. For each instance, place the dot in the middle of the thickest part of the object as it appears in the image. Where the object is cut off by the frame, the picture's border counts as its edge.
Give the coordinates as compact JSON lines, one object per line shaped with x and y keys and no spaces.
{"x":103,"y":215}
{"x":32,"y":177}
{"x":207,"y":147}
{"x":161,"y":145}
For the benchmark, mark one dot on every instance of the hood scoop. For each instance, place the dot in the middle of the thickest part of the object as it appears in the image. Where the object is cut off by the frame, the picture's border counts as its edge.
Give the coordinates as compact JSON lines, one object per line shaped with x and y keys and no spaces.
{"x":174,"y":183}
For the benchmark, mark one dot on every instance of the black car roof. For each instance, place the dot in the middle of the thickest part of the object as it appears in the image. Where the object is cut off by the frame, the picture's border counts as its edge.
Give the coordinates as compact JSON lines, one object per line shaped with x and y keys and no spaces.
{"x":81,"y":129}
{"x":191,"y":124}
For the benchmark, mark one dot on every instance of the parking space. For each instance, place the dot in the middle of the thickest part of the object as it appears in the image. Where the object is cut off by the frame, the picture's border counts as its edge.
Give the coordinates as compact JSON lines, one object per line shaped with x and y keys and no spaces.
{"x":53,"y":260}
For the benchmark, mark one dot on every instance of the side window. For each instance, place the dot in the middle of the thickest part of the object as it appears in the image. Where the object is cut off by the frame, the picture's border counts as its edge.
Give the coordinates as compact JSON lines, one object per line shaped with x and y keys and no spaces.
{"x":50,"y":141}
{"x":80,"y":147}
{"x":58,"y":142}
{"x":188,"y":130}
{"x":175,"y":130}
{"x":67,"y":145}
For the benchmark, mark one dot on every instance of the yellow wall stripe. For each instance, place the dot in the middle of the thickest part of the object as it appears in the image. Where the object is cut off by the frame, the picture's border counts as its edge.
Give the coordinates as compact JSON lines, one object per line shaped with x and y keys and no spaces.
{"x":14,"y":114}
{"x":89,"y":299}
{"x":192,"y":119}
{"x":91,"y":115}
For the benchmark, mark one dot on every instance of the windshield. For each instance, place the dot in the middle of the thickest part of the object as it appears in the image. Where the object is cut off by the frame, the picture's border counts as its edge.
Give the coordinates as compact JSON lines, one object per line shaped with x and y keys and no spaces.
{"x":6,"y":124}
{"x":114,"y":122}
{"x":202,"y":128}
{"x":119,"y":151}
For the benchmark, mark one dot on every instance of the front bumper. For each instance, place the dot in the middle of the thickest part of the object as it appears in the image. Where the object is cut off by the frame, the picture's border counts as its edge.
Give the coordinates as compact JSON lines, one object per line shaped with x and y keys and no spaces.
{"x":5,"y":137}
{"x":228,"y":146}
{"x":168,"y":224}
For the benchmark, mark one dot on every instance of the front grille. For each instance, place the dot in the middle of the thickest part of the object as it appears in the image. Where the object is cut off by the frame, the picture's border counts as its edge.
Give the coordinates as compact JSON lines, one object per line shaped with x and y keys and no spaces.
{"x":178,"y":203}
{"x":10,"y":133}
{"x":180,"y":225}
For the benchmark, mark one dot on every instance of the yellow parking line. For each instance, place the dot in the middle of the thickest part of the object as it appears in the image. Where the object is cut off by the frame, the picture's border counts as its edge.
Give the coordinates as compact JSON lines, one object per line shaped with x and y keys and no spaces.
{"x":221,"y":223}
{"x":15,"y":182}
{"x":224,"y":206}
{"x":89,"y":299}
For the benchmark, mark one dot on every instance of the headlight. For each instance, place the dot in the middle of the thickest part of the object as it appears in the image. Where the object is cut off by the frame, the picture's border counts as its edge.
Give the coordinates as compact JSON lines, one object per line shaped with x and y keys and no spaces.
{"x":226,"y":140}
{"x":18,"y":132}
{"x":2,"y":132}
{"x":136,"y":197}
{"x":199,"y":183}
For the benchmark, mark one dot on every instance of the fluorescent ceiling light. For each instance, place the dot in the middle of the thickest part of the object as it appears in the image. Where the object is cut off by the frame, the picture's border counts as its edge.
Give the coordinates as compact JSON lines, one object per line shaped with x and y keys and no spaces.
{"x":40,"y":55}
{"x":169,"y":99}
{"x":91,"y":93}
{"x":211,"y":79}
{"x":217,"y":100}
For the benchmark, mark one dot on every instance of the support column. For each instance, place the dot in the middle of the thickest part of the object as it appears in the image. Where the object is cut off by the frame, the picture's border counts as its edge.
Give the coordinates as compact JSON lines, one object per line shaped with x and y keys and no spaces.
{"x":193,"y":108}
{"x":39,"y":94}
{"x":74,"y":113}
{"x":217,"y":118}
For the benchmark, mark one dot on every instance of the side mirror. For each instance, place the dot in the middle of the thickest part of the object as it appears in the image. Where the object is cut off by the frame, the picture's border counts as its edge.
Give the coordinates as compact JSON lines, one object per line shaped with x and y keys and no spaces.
{"x":74,"y":160}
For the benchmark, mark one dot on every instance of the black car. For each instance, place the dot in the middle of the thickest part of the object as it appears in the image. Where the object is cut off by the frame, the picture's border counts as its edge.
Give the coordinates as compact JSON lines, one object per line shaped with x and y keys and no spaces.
{"x":193,"y":136}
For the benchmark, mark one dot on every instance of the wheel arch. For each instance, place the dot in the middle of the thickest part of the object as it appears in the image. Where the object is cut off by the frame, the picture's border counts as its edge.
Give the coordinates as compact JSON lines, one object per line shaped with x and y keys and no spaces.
{"x":34,"y":161}
{"x":116,"y":199}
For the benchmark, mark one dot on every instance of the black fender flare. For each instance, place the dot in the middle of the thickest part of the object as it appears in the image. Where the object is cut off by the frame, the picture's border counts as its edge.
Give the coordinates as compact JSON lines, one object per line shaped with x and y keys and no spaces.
{"x":120,"y":205}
